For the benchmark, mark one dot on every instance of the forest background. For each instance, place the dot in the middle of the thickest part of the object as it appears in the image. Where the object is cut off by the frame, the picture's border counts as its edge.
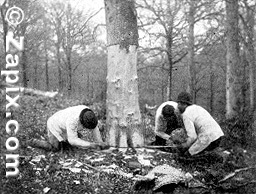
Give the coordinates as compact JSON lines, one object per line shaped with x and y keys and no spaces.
{"x":183,"y":45}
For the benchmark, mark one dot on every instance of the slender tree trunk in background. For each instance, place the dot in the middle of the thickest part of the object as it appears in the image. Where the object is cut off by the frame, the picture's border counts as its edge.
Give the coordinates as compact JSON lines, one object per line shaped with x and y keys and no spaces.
{"x":163,"y":84}
{"x":5,"y":30}
{"x":169,"y":51}
{"x":244,"y":64}
{"x":46,"y":73}
{"x":69,"y":74}
{"x":191,"y":52}
{"x":69,"y":48}
{"x":46,"y":69}
{"x":169,"y":93}
{"x":59,"y":68}
{"x":24,"y":66}
{"x":58,"y":45}
{"x":88,"y":85}
{"x":251,"y":52}
{"x":35,"y":81}
{"x":60,"y":79}
{"x":123,"y":113}
{"x":233,"y":62}
{"x":212,"y":77}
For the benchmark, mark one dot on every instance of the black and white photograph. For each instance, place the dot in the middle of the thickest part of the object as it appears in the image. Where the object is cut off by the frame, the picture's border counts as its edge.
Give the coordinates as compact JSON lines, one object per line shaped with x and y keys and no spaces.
{"x":128,"y":96}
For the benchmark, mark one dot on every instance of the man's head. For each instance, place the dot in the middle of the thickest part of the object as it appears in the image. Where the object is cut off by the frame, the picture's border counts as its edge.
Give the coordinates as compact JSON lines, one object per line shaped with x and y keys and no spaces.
{"x":88,"y":119}
{"x":184,"y":99}
{"x":168,"y":111}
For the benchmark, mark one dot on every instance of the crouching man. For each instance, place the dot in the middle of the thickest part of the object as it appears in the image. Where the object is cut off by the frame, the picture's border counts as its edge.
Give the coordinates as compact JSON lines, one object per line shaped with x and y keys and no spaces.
{"x":166,"y":121}
{"x":203,"y":132}
{"x":64,"y":127}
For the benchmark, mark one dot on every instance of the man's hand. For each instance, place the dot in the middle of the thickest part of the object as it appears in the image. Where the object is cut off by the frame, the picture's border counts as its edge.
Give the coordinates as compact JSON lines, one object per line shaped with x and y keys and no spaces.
{"x":169,"y":142}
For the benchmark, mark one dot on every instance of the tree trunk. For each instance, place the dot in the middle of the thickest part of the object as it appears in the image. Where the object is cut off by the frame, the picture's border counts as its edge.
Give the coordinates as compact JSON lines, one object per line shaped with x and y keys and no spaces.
{"x":233,"y":62}
{"x":163,"y":84}
{"x":191,"y":52}
{"x":169,"y":50}
{"x":123,"y":113}
{"x":169,"y":93}
{"x":24,"y":67}
{"x":244,"y":64}
{"x":251,"y":52}
{"x":88,"y":88}
{"x":212,"y":77}
{"x":59,"y":67}
{"x":5,"y":30}
{"x":69,"y":74}
{"x":46,"y":69}
{"x":35,"y":80}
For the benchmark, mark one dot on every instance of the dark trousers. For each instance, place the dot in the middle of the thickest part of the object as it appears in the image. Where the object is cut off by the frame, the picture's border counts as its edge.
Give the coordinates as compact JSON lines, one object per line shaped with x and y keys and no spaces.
{"x":213,"y":145}
{"x":159,"y":141}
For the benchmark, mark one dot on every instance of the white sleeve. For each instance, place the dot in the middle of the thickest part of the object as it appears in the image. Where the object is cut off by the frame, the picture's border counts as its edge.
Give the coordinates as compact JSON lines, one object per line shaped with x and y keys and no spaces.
{"x":191,"y":132}
{"x":159,"y":125}
{"x":72,"y":136}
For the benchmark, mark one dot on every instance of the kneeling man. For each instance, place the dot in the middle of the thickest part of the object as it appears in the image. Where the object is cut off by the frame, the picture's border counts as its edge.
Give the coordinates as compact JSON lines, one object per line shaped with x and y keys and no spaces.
{"x":166,"y":121}
{"x":203,"y":132}
{"x":64,"y":126}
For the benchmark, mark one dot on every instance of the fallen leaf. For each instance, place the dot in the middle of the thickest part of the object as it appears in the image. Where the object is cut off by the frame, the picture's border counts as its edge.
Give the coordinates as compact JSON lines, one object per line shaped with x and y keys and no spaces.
{"x":143,"y":161}
{"x":97,"y":160}
{"x":87,"y":171}
{"x":46,"y":189}
{"x":75,"y":170}
{"x":78,"y":164}
{"x":76,"y":182}
{"x":38,"y":158}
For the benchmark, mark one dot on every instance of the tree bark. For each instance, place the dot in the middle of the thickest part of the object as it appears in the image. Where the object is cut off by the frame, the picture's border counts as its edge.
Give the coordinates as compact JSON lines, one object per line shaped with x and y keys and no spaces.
{"x":59,"y":65}
{"x":5,"y":30}
{"x":169,"y":51}
{"x":232,"y":75}
{"x":35,"y":80}
{"x":191,"y":52}
{"x":212,"y":78}
{"x":251,"y":51}
{"x":123,"y":113}
{"x":46,"y":67}
{"x":24,"y":66}
{"x":169,"y":55}
{"x":69,"y":74}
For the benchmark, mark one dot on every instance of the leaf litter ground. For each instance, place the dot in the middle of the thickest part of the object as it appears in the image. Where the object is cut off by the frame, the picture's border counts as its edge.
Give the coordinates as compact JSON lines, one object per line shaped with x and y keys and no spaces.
{"x":115,"y":171}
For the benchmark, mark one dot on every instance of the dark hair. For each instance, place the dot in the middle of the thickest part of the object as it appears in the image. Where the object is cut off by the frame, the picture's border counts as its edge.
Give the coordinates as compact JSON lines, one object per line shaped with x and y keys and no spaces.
{"x":185,"y":98}
{"x":88,"y":119}
{"x":168,"y":110}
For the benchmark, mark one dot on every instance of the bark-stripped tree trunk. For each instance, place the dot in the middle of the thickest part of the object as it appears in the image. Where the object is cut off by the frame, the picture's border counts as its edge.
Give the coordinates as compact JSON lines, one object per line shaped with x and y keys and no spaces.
{"x":232,"y":74}
{"x":123,"y":113}
{"x":191,"y":52}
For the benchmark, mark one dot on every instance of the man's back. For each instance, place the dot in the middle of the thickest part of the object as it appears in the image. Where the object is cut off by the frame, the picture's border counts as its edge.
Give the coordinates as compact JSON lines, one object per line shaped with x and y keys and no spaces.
{"x":203,"y":121}
{"x":63,"y":119}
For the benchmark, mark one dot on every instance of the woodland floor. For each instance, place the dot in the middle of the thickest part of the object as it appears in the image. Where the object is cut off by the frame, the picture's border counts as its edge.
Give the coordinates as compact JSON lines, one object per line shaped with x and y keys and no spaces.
{"x":81,"y":171}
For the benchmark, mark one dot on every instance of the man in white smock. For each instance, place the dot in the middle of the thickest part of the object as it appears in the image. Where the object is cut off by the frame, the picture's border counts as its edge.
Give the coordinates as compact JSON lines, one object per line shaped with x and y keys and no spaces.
{"x":203,"y":132}
{"x":64,"y":127}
